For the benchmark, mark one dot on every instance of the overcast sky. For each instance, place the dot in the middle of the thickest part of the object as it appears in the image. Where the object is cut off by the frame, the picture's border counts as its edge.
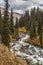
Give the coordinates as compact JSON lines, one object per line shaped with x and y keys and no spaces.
{"x":23,"y":4}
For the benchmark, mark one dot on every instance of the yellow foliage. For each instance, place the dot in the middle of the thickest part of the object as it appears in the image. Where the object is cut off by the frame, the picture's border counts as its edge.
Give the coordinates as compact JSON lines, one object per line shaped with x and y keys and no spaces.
{"x":22,"y":29}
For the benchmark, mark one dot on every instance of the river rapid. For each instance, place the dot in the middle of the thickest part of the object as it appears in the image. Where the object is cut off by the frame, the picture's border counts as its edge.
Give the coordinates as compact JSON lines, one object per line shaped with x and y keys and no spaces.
{"x":26,"y":51}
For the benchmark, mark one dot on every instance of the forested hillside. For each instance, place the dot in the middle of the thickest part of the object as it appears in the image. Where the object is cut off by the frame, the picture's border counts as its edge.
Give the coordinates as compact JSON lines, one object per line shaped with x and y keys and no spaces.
{"x":33,"y":23}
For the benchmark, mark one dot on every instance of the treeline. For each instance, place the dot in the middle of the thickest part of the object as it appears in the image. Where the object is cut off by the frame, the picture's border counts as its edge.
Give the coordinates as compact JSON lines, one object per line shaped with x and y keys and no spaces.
{"x":33,"y":22}
{"x":7,"y":28}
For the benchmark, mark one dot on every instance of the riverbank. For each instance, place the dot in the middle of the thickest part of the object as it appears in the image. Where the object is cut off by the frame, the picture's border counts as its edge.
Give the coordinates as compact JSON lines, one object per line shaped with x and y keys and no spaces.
{"x":9,"y":58}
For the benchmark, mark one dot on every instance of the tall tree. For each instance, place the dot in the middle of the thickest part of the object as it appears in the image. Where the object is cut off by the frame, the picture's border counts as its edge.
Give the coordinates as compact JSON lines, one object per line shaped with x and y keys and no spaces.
{"x":21,"y":21}
{"x":16,"y":29}
{"x":17,"y":23}
{"x":37,"y":14}
{"x":40,"y":28}
{"x":32,"y":23}
{"x":26,"y":20}
{"x":0,"y":22}
{"x":11,"y":23}
{"x":5,"y":28}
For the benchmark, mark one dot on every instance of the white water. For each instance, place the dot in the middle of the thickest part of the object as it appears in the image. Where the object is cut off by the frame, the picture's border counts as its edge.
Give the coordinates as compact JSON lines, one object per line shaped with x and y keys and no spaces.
{"x":27,"y":51}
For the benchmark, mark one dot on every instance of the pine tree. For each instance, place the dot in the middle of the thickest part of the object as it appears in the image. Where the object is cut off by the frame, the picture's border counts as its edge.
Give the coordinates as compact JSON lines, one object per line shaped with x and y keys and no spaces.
{"x":16,"y":29}
{"x":0,"y":23}
{"x":32,"y":23}
{"x":26,"y":20}
{"x":11,"y":23}
{"x":5,"y":28}
{"x":40,"y":29}
{"x":37,"y":14}
{"x":21,"y":21}
{"x":31,"y":31}
{"x":16,"y":24}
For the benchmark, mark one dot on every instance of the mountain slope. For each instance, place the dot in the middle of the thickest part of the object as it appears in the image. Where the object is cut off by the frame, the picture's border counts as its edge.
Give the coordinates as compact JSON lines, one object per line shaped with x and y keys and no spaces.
{"x":7,"y":58}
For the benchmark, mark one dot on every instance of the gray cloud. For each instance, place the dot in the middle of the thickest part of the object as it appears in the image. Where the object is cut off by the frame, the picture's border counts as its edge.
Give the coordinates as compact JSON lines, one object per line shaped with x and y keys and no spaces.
{"x":22,"y":4}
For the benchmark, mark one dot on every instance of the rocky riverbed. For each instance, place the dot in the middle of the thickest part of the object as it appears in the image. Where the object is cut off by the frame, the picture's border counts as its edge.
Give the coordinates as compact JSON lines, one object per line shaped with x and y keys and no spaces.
{"x":28,"y":52}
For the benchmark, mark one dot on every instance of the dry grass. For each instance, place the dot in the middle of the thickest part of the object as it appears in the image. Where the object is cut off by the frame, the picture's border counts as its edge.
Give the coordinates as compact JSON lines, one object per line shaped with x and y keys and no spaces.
{"x":7,"y":58}
{"x":22,"y":29}
{"x":34,"y":41}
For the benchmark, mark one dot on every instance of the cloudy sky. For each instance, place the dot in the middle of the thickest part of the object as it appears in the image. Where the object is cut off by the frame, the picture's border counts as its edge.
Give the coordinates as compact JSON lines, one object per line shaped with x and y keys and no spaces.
{"x":21,"y":5}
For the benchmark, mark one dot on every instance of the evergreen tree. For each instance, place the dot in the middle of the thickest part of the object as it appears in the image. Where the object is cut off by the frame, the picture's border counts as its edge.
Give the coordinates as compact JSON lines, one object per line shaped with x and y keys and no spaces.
{"x":11,"y":23}
{"x":40,"y":29}
{"x":31,"y":31}
{"x":37,"y":14}
{"x":17,"y":23}
{"x":26,"y":20}
{"x":5,"y":28}
{"x":16,"y":29}
{"x":21,"y":21}
{"x":32,"y":23}
{"x":0,"y":23}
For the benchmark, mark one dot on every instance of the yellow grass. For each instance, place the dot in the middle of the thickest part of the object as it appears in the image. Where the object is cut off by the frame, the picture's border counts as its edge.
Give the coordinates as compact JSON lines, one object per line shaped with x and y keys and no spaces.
{"x":34,"y":41}
{"x":22,"y":29}
{"x":7,"y":58}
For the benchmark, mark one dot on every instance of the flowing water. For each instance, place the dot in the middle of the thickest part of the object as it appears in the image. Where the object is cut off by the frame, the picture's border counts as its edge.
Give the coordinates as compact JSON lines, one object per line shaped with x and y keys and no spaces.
{"x":28,"y":52}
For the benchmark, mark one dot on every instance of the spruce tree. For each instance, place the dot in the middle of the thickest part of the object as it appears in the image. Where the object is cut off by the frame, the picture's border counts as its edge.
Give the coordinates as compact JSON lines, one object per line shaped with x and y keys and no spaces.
{"x":21,"y":21}
{"x":0,"y":22}
{"x":32,"y":23}
{"x":31,"y":31}
{"x":11,"y":23}
{"x":16,"y":24}
{"x":26,"y":20}
{"x":16,"y":30}
{"x":40,"y":29}
{"x":5,"y":28}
